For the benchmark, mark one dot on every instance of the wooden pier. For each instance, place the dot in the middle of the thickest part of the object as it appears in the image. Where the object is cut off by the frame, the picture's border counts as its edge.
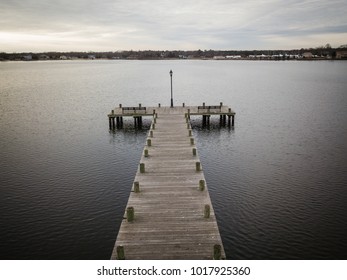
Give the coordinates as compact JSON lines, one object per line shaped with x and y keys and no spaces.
{"x":169,"y":214}
{"x":118,"y":114}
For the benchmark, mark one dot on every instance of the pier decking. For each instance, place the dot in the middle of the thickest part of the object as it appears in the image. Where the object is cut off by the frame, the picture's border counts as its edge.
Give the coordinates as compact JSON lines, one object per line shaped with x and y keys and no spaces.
{"x":169,"y":214}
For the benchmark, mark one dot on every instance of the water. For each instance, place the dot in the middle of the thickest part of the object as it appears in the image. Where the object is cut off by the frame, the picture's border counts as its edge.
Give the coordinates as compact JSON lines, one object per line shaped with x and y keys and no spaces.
{"x":277,"y":180}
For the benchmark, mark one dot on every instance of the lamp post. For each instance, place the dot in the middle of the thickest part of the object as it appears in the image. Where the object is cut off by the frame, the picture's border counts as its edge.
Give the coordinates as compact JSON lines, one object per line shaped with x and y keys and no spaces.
{"x":171,"y":88}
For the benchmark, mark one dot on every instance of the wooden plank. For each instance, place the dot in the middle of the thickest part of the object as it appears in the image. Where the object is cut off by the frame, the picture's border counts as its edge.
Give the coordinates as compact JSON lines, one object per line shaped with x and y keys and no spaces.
{"x":169,"y":218}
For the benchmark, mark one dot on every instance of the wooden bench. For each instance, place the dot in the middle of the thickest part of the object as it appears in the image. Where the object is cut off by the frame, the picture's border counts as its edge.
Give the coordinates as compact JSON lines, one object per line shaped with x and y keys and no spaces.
{"x":134,"y":110}
{"x":208,"y":109}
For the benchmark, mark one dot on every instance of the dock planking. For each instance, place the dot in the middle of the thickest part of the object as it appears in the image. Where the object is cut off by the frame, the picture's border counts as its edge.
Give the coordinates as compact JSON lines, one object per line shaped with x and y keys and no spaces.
{"x":173,"y":215}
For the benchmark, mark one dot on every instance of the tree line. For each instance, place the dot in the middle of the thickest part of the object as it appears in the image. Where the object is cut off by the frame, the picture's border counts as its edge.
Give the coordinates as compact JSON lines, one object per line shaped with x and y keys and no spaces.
{"x":325,"y":51}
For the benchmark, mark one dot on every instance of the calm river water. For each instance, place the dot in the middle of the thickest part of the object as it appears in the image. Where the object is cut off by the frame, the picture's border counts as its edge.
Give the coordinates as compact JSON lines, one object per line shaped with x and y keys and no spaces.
{"x":278,"y":180}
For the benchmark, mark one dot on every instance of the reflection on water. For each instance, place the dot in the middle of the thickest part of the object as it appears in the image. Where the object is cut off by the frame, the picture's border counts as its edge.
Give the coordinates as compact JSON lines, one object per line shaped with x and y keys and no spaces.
{"x":277,"y":179}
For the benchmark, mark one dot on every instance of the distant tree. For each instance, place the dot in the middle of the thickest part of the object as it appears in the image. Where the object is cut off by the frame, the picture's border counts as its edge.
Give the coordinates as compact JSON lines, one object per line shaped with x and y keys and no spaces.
{"x":328,"y":46}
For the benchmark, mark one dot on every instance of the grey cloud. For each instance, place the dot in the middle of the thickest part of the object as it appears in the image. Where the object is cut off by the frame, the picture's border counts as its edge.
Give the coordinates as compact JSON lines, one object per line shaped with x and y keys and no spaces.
{"x":165,"y":24}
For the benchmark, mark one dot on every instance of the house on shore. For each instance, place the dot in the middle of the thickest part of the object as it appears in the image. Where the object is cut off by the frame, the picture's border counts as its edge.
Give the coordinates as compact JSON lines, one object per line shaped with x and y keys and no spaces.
{"x":219,"y":57}
{"x":43,"y":57}
{"x":341,"y":54}
{"x":27,"y":57}
{"x":307,"y":55}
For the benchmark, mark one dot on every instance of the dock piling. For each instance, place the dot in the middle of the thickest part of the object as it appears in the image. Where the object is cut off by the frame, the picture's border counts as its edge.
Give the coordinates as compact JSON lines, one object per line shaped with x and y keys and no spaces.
{"x":198,"y":166}
{"x":120,"y":253}
{"x":202,"y":185}
{"x":142,"y":168}
{"x":207,"y":211}
{"x":136,"y":187}
{"x":217,"y":252}
{"x":130,"y":214}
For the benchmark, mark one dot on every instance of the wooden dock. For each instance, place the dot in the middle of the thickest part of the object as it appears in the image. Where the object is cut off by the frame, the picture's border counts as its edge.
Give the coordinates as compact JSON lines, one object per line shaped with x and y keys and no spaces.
{"x":169,"y":214}
{"x":118,"y":114}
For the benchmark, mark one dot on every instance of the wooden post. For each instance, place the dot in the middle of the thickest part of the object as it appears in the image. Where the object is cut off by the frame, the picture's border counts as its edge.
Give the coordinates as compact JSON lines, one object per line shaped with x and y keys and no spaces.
{"x":229,"y":116}
{"x":110,"y":123}
{"x":130,"y":214}
{"x":151,"y":133}
{"x":117,"y":122}
{"x":183,"y":105}
{"x":188,"y":113}
{"x":146,"y":153}
{"x":149,"y":142}
{"x":136,"y":187}
{"x":198,"y":166}
{"x":190,"y":132}
{"x":217,"y":252}
{"x":153,"y":126}
{"x":120,"y":253}
{"x":142,"y":168}
{"x":194,"y":151}
{"x":113,"y":123}
{"x":202,"y":185}
{"x":191,"y":141}
{"x":232,"y":120}
{"x":207,"y":211}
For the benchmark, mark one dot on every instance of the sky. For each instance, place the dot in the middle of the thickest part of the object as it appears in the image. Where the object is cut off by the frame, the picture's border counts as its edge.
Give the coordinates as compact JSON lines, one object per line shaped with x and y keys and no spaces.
{"x":115,"y":25}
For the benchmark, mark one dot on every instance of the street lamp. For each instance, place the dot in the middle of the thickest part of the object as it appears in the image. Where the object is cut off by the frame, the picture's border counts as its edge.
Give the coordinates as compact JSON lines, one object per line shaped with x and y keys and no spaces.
{"x":171,"y":88}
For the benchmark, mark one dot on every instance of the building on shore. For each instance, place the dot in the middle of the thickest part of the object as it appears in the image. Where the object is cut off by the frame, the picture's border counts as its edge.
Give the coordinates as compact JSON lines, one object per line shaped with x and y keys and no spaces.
{"x":341,"y":54}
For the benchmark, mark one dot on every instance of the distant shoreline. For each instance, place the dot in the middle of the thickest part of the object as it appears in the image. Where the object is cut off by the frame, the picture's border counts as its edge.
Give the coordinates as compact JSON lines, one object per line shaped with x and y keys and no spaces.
{"x":159,"y":59}
{"x":323,"y":53}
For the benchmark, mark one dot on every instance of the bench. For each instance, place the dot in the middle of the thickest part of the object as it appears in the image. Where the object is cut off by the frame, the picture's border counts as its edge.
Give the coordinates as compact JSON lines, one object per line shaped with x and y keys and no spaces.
{"x":207,"y":109}
{"x":134,"y":110}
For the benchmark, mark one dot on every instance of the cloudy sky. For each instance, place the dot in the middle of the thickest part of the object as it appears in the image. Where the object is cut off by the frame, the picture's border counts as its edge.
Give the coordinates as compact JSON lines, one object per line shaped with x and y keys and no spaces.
{"x":111,"y":25}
